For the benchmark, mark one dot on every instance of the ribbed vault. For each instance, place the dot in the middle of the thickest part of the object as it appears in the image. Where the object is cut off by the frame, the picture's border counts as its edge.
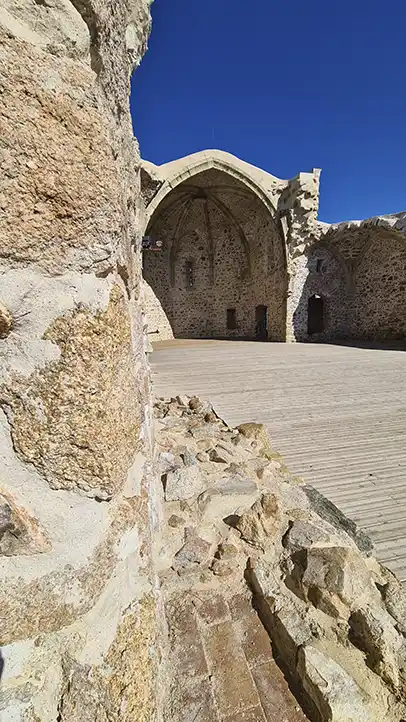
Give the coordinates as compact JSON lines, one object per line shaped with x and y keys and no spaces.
{"x":216,"y":232}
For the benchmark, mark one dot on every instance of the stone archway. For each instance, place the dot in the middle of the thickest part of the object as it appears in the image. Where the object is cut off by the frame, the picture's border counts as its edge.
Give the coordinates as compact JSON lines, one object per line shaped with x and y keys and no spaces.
{"x":222,"y":255}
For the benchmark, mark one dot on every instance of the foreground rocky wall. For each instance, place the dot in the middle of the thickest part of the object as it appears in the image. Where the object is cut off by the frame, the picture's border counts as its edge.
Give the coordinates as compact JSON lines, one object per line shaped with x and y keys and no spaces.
{"x":78,"y":592}
{"x":260,"y":573}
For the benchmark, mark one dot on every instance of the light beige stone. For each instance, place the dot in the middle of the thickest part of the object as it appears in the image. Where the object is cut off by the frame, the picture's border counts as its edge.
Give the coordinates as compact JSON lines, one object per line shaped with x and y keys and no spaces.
{"x":337,"y":697}
{"x":20,"y":532}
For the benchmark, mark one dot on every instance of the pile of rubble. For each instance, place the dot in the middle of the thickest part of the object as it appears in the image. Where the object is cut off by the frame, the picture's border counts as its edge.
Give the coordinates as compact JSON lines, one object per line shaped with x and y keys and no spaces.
{"x":240,"y":533}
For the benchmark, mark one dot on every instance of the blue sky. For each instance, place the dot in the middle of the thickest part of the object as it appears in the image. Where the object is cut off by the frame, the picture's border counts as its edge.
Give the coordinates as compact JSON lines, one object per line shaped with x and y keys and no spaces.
{"x":287,"y":86}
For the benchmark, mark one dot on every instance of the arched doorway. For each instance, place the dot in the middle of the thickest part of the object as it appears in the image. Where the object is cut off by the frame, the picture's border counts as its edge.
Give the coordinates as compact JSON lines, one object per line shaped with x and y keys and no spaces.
{"x":222,"y":257}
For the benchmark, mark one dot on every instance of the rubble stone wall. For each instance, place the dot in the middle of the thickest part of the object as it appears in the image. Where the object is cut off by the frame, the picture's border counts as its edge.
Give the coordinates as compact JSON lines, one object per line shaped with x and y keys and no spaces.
{"x":257,"y":567}
{"x":360,"y":273}
{"x":222,"y":250}
{"x":77,"y":504}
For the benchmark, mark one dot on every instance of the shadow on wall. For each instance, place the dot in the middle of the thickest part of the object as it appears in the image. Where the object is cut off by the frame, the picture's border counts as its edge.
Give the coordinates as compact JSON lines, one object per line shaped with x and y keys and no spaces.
{"x":358,"y":299}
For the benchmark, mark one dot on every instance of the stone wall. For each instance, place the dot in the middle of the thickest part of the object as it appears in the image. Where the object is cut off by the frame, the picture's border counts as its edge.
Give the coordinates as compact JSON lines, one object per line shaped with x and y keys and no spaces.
{"x":221,"y":250}
{"x":77,"y":504}
{"x":258,"y":569}
{"x":235,"y":237}
{"x":158,"y":326}
{"x":232,"y":237}
{"x":359,"y":269}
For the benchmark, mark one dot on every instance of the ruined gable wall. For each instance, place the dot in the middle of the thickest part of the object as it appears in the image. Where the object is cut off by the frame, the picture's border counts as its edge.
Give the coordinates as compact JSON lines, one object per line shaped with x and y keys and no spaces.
{"x":242,"y":273}
{"x":77,"y":509}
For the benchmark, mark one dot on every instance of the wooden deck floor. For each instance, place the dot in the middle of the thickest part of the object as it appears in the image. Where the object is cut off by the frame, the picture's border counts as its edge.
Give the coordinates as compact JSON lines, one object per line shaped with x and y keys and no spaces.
{"x":337,"y":414}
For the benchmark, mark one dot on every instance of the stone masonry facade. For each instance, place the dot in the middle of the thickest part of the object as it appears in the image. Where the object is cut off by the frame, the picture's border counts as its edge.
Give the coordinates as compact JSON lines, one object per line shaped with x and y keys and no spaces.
{"x":241,"y":254}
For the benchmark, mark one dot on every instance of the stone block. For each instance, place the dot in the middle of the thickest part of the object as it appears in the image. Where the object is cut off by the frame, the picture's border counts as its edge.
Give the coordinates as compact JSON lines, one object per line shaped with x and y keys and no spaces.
{"x":373,"y":630}
{"x":255,"y":714}
{"x":240,"y":606}
{"x":168,"y":461}
{"x":334,"y":693}
{"x":255,"y":640}
{"x":260,"y":522}
{"x":187,"y":657}
{"x":232,"y":494}
{"x":330,"y":513}
{"x":304,"y":535}
{"x":233,"y":688}
{"x":184,"y":483}
{"x":206,"y":432}
{"x":394,"y":596}
{"x":194,"y":555}
{"x":181,"y":615}
{"x":190,"y":701}
{"x":336,"y":578}
{"x":277,"y":700}
{"x":259,"y":437}
{"x":211,"y":608}
{"x":290,"y":630}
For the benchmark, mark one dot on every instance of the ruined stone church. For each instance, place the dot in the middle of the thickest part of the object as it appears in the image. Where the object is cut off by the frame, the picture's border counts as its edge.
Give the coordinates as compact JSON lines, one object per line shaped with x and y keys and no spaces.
{"x":231,"y":251}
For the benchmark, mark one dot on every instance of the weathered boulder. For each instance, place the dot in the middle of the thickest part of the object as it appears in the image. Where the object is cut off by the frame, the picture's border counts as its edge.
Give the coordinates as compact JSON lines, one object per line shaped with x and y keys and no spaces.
{"x":194,"y":555}
{"x":184,"y":483}
{"x":232,"y":494}
{"x":335,"y":694}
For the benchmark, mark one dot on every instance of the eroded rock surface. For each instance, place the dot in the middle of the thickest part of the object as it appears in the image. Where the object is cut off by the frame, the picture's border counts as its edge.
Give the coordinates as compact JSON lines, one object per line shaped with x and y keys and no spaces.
{"x":78,"y":602}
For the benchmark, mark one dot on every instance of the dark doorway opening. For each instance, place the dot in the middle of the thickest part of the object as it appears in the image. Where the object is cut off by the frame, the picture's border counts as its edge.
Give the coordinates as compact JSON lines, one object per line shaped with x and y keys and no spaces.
{"x":315,"y":315}
{"x":261,"y":323}
{"x":231,"y":319}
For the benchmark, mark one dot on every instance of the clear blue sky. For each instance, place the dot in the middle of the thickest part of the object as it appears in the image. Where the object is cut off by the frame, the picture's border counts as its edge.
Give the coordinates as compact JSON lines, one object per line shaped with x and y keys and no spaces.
{"x":287,"y":86}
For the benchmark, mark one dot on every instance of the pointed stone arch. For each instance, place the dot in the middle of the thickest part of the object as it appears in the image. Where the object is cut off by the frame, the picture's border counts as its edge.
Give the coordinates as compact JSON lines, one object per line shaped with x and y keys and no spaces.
{"x":224,"y":255}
